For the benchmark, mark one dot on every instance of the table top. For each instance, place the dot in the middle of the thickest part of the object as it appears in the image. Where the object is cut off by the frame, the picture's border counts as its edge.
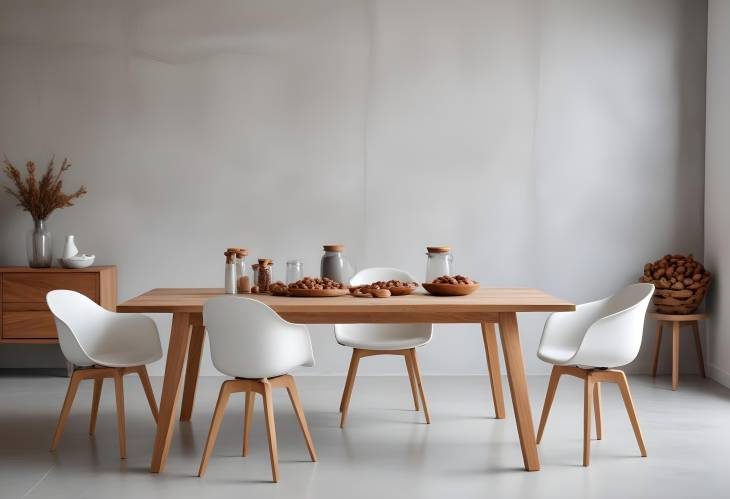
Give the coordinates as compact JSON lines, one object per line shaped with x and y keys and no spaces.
{"x":481,"y":306}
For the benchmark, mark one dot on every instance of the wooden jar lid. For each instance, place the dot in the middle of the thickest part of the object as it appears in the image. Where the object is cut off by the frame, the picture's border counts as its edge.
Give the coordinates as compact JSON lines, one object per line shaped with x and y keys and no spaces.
{"x":264,"y":262}
{"x":438,"y":249}
{"x":338,"y":248}
{"x":238,"y":251}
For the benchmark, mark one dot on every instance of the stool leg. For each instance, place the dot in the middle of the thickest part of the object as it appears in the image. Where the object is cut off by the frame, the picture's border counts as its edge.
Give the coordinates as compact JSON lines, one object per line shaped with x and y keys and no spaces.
{"x":698,"y":345}
{"x":675,"y":355}
{"x":657,"y":347}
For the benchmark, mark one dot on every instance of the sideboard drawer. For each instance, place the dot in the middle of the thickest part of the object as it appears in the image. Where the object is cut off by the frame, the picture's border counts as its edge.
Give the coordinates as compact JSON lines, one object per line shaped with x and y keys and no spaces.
{"x":33,"y":287}
{"x":22,"y":325}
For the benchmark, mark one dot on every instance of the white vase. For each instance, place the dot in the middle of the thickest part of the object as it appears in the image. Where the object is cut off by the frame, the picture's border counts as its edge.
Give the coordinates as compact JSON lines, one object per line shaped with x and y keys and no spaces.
{"x":70,"y":249}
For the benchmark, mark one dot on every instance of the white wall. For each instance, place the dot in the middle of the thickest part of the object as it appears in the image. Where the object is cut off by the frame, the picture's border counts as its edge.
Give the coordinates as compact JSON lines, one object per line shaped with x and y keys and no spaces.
{"x":555,"y":144}
{"x":717,"y":191}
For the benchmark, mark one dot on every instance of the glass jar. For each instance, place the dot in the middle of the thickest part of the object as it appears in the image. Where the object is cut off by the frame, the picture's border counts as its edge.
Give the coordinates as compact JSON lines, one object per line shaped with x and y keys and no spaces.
{"x":439,"y":262}
{"x":334,"y":265}
{"x":242,"y":283}
{"x":39,"y":245}
{"x":294,"y":271}
{"x":264,"y":274}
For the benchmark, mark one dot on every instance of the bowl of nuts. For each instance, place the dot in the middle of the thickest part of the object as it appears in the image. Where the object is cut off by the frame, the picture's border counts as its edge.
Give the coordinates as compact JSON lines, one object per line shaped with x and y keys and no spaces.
{"x":316,"y":287}
{"x":447,"y":285}
{"x":394,"y":286}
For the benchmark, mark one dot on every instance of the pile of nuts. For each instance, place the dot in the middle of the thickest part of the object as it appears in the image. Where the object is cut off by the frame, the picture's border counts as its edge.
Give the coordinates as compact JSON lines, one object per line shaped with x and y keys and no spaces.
{"x":681,"y":283}
{"x":393,"y":283}
{"x":316,"y":283}
{"x":457,"y":279}
{"x":278,"y":289}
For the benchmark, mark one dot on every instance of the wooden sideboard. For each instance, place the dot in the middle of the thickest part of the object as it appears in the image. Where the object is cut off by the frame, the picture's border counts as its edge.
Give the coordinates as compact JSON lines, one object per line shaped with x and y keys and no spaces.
{"x":23,"y":309}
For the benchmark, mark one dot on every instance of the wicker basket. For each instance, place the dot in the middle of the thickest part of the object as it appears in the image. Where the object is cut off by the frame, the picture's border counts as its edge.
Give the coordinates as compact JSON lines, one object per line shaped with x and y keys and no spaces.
{"x":681,"y":283}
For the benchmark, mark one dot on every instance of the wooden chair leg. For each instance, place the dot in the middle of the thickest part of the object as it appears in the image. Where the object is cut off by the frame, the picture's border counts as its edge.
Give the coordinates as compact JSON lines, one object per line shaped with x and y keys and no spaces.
{"x":119,"y":391}
{"x":698,"y":346}
{"x":419,"y":381}
{"x":549,"y":397}
{"x":412,"y":379}
{"x":73,"y":385}
{"x":597,"y":409}
{"x":271,"y":431}
{"x":247,"y":418}
{"x":145,"y":379}
{"x":95,"y":404}
{"x":348,"y":386}
{"x":657,"y":347}
{"x":675,"y":355}
{"x":623,"y":385}
{"x":587,"y":409}
{"x":215,"y":424}
{"x":291,"y":388}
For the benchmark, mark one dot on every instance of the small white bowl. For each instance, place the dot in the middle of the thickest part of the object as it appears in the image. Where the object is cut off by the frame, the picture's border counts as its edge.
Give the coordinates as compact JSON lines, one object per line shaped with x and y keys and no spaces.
{"x":77,"y":262}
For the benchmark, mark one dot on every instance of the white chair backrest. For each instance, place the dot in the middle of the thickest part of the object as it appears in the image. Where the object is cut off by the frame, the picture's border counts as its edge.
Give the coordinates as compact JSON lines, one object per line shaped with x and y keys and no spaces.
{"x":378,"y":332}
{"x":250,"y":340}
{"x":80,"y":324}
{"x":367,"y":276}
{"x":603,"y":333}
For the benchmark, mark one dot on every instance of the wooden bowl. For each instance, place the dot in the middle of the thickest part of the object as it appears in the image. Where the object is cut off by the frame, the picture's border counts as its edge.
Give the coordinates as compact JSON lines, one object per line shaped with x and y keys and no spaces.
{"x":405,"y":290}
{"x":450,"y":289}
{"x":317,"y":293}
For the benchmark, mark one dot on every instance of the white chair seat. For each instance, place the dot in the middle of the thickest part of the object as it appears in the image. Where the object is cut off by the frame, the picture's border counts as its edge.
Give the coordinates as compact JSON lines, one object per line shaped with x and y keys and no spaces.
{"x":383,"y":336}
{"x":554,"y":354}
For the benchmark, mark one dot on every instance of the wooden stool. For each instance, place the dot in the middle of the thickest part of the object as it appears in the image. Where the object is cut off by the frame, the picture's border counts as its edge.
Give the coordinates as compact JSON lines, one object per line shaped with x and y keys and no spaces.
{"x":677,"y":321}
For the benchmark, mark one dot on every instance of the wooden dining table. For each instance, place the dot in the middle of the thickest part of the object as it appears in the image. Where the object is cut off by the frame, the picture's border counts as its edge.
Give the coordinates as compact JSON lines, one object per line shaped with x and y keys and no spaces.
{"x":487,"y":307}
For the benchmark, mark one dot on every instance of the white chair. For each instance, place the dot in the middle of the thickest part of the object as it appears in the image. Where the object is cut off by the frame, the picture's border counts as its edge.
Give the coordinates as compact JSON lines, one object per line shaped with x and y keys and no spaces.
{"x":383,"y":339}
{"x":252,"y":343}
{"x":588,"y":343}
{"x":102,"y":344}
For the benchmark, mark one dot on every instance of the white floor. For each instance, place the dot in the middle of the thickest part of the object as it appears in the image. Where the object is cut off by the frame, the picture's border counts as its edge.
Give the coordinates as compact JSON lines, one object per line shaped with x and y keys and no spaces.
{"x":386,"y":451}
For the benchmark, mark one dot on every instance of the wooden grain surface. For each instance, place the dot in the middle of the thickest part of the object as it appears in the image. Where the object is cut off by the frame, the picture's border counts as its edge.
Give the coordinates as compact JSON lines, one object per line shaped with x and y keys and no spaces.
{"x":481,"y":306}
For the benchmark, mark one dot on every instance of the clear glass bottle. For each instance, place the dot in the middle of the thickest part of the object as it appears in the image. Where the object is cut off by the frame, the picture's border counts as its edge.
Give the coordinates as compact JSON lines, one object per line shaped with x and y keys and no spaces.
{"x":230,"y":274}
{"x":39,"y":245}
{"x":334,"y":265}
{"x":294,"y":271}
{"x":243,"y":284}
{"x":439,"y":262}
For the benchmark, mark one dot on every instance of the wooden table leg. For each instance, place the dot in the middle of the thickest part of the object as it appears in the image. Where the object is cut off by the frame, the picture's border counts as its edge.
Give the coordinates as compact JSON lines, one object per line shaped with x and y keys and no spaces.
{"x":514,"y":362}
{"x":675,"y":355}
{"x":176,"y":350}
{"x":195,"y":353}
{"x":489,"y":335}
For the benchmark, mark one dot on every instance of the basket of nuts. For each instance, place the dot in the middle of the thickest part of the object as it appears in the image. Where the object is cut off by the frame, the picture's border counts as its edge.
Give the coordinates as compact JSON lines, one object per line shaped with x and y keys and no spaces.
{"x":316,"y":287}
{"x":447,"y":285}
{"x":681,"y":283}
